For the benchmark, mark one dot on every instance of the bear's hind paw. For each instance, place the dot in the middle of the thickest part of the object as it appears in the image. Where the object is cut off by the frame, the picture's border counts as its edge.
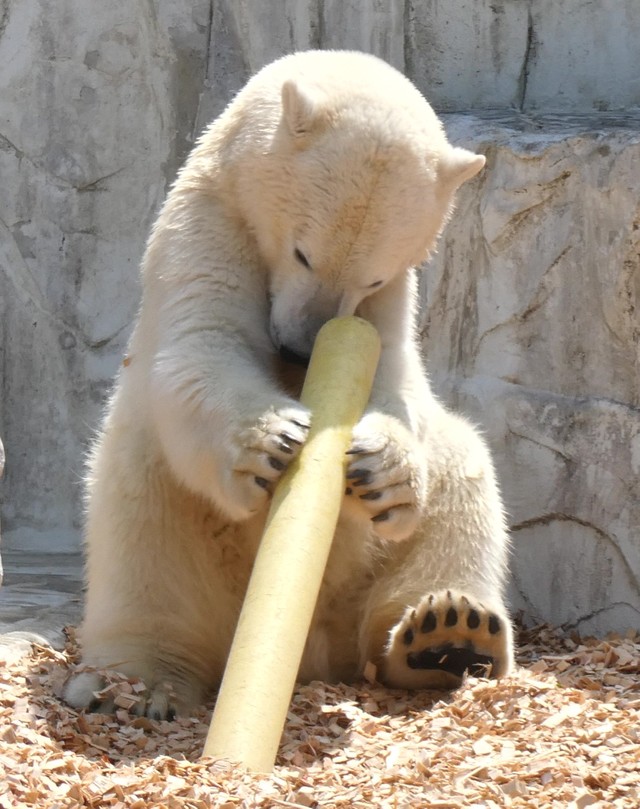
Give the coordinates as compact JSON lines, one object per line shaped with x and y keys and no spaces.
{"x":447,"y":635}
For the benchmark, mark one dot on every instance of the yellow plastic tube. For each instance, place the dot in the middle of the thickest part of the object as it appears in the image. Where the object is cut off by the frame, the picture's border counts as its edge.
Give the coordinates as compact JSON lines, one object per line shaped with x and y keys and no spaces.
{"x":272,"y":630}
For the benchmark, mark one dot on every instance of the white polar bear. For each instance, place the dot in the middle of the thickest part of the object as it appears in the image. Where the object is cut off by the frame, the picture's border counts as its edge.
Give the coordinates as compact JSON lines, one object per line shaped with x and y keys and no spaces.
{"x":316,"y":192}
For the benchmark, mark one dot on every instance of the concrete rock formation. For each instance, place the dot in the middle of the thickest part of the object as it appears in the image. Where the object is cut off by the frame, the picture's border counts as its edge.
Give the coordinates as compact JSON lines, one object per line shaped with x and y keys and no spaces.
{"x":1,"y":473}
{"x":531,"y":326}
{"x":530,"y":322}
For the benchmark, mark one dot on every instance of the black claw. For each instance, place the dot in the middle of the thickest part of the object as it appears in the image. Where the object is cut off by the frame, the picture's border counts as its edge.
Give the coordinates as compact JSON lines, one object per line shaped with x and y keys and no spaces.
{"x":473,"y":619}
{"x":171,"y":714}
{"x":407,"y":638}
{"x":348,"y":490}
{"x":371,"y":496}
{"x":262,"y":482}
{"x":362,"y":475}
{"x":494,"y":624}
{"x":381,"y":517}
{"x":430,"y":622}
{"x":355,"y":451}
{"x":274,"y":463}
{"x":94,"y":705}
{"x":451,"y":618}
{"x":300,"y":424}
{"x":290,"y":439}
{"x":284,"y":447}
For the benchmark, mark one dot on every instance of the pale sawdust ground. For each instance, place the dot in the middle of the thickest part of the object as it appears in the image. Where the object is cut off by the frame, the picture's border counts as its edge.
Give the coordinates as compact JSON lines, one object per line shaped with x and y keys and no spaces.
{"x":563,"y":731}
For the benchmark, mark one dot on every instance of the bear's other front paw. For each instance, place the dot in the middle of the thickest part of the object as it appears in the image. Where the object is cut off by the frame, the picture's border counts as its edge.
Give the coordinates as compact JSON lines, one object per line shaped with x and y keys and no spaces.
{"x":385,"y":478}
{"x":98,"y":692}
{"x":447,"y":635}
{"x":266,"y":450}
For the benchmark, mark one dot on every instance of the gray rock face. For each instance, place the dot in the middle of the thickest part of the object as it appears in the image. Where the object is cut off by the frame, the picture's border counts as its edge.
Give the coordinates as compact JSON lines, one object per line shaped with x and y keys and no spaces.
{"x":1,"y":473}
{"x":531,"y":326}
{"x":85,"y":144}
{"x":530,"y":321}
{"x":569,"y":56}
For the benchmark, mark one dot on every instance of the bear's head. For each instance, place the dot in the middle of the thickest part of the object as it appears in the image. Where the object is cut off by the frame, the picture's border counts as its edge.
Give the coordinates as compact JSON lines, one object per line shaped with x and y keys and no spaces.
{"x":350,"y":190}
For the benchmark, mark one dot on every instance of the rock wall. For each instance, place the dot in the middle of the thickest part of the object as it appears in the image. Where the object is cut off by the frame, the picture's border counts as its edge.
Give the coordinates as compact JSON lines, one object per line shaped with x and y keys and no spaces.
{"x":531,"y":326}
{"x":530,"y":321}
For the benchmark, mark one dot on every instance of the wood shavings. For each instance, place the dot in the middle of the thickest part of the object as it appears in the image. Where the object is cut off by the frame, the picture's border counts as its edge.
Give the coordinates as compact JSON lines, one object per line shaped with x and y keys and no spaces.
{"x":563,"y":731}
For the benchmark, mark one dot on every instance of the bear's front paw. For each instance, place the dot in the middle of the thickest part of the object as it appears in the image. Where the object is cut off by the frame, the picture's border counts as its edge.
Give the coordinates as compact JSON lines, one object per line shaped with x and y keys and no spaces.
{"x":446,"y":635}
{"x":105,"y":692}
{"x":385,"y":478}
{"x":266,"y":450}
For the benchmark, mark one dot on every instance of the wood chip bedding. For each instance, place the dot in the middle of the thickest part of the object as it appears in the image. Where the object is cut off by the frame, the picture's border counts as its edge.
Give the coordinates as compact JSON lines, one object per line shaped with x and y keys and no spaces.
{"x":563,"y":731}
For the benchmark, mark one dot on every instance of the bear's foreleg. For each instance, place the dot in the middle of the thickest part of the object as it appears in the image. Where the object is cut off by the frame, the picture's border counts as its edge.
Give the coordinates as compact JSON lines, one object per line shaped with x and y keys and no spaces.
{"x":226,"y":428}
{"x":388,"y":467}
{"x":437,"y":609}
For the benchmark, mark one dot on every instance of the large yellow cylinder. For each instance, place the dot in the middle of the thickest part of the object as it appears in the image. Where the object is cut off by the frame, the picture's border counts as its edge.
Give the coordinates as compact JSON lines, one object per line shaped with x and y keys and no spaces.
{"x":260,"y":675}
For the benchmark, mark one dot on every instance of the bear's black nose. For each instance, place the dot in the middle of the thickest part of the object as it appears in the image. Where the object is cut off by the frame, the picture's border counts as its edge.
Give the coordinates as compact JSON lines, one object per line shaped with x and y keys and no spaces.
{"x":294,"y":358}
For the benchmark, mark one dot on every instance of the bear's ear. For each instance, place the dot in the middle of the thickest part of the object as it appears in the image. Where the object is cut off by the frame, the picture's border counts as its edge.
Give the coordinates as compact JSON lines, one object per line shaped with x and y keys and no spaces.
{"x":300,"y":110}
{"x":459,"y":165}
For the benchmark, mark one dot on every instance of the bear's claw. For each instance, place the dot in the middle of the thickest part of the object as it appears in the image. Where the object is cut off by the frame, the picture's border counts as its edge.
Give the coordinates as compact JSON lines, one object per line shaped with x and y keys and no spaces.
{"x":267,"y":447}
{"x":384,"y":477}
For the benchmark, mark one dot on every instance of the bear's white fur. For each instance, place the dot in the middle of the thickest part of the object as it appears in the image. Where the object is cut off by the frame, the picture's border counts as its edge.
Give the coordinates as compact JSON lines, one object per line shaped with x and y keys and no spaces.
{"x":324,"y":182}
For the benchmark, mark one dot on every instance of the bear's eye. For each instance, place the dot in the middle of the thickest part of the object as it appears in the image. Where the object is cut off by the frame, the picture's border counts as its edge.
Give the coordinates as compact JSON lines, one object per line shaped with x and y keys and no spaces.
{"x":301,"y":258}
{"x":375,"y":284}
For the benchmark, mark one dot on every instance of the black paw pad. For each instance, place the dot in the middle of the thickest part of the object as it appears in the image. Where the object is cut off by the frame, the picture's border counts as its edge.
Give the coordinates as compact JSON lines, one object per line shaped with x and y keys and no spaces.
{"x":473,"y":619}
{"x":451,"y":618}
{"x":429,"y":622}
{"x":451,"y":659}
{"x":494,"y":625}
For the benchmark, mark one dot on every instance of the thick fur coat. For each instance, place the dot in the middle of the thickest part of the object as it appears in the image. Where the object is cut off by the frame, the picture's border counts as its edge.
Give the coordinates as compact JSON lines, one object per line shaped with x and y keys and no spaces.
{"x":315,"y":194}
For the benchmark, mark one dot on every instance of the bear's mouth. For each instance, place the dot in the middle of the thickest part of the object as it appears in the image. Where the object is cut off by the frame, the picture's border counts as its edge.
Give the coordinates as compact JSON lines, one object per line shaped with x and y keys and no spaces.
{"x":293,"y":358}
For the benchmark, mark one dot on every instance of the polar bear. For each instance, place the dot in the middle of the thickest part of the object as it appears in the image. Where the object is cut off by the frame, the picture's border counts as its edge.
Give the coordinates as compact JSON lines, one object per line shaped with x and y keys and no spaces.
{"x":316,"y":192}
